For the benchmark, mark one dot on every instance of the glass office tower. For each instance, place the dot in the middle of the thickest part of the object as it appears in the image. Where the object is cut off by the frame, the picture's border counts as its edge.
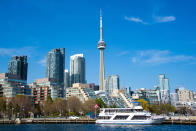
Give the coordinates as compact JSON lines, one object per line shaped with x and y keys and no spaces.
{"x":18,"y":66}
{"x":111,"y":83}
{"x":77,"y":69}
{"x":56,"y":64}
{"x":164,"y":89}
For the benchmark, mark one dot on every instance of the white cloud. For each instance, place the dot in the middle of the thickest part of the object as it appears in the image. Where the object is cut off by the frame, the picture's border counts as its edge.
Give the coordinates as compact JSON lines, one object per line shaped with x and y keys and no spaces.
{"x":156,"y":57}
{"x":123,"y":53}
{"x":17,"y":51}
{"x":135,"y":19}
{"x":42,"y":62}
{"x":162,"y":19}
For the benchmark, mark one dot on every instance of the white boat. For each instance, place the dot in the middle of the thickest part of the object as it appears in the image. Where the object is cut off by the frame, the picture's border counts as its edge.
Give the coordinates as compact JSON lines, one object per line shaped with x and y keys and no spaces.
{"x":134,"y":115}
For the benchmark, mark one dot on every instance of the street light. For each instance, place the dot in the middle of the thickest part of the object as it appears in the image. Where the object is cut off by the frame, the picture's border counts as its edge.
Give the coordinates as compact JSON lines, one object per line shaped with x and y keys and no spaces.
{"x":12,"y":111}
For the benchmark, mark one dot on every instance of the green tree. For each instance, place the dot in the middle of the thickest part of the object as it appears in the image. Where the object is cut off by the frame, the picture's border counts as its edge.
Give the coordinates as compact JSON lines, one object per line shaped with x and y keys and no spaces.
{"x":144,"y":104}
{"x":162,"y":109}
{"x":100,"y":102}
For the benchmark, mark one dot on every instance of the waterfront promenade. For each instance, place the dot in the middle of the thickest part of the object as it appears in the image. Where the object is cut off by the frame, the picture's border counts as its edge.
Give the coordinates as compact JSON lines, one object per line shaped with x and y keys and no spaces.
{"x":191,"y":120}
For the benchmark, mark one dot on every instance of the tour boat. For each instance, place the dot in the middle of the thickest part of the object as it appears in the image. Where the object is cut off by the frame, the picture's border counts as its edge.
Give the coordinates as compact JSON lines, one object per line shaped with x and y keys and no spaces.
{"x":134,"y":115}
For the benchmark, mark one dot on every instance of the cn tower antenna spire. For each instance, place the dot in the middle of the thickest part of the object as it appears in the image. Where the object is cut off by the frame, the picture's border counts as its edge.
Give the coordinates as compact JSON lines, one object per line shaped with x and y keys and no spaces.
{"x":101,"y":47}
{"x":101,"y":26}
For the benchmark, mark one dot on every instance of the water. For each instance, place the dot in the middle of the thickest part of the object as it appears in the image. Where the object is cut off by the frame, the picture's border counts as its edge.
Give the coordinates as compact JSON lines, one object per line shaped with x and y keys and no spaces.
{"x":95,"y":127}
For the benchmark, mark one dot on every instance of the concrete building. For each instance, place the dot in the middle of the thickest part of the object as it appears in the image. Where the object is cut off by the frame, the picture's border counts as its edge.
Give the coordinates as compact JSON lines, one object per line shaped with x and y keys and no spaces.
{"x":94,"y":87}
{"x":82,"y":91}
{"x":101,"y":46}
{"x":174,"y":98}
{"x":12,"y":85}
{"x":164,"y":89}
{"x":184,"y":94}
{"x":77,"y":69}
{"x":111,"y":84}
{"x":18,"y":66}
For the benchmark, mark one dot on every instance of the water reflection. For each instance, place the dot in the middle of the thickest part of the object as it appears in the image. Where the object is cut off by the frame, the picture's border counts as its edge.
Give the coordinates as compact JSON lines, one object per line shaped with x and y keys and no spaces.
{"x":124,"y":126}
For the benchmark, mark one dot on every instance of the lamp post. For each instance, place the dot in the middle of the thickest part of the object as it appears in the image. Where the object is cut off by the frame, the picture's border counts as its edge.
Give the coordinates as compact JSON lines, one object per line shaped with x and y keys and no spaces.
{"x":12,"y":111}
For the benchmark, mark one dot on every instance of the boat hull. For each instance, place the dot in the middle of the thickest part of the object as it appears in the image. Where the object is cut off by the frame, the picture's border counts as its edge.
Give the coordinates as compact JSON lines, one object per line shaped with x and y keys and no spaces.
{"x":131,"y":122}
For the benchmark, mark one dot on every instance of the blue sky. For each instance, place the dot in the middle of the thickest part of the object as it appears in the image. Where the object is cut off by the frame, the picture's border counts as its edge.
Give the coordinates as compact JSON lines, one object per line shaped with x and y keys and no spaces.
{"x":144,"y":37}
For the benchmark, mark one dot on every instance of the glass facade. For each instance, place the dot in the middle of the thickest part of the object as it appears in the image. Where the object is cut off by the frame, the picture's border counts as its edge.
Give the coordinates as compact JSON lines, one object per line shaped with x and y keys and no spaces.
{"x":18,"y":66}
{"x":164,"y":89}
{"x":111,"y":84}
{"x":77,"y":69}
{"x":12,"y":85}
{"x":56,"y":64}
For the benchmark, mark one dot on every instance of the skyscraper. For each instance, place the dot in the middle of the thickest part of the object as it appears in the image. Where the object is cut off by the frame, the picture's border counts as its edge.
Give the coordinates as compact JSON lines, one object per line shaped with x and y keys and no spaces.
{"x":66,"y":80}
{"x":18,"y":66}
{"x":55,"y":65}
{"x":164,"y":89}
{"x":101,"y":47}
{"x":111,"y":84}
{"x":77,"y":69}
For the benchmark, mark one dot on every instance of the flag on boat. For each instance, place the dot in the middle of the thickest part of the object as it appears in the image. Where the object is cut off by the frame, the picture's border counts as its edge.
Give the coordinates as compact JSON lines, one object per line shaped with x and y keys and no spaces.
{"x":96,"y":106}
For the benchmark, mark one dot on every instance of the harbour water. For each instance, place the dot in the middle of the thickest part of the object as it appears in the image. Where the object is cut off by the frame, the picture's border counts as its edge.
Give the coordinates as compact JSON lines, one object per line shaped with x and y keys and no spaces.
{"x":95,"y":127}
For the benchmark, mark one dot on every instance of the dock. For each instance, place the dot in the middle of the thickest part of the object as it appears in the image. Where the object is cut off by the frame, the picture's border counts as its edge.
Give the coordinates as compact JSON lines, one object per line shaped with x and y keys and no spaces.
{"x":83,"y":121}
{"x":49,"y":121}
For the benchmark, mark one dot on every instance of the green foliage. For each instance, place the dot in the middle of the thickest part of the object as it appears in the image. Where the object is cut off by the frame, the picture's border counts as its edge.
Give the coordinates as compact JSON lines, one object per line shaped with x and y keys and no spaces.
{"x":144,"y":104}
{"x":72,"y":113}
{"x":113,"y":106}
{"x":162,"y":109}
{"x":100,"y":102}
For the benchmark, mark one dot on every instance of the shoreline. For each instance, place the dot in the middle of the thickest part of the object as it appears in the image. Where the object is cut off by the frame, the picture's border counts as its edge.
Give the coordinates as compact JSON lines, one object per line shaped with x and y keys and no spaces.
{"x":80,"y":121}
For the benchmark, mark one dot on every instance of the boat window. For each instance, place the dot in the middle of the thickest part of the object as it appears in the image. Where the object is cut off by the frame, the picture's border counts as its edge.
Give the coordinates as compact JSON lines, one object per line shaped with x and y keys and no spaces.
{"x":105,"y":117}
{"x":120,"y":117}
{"x":140,"y":117}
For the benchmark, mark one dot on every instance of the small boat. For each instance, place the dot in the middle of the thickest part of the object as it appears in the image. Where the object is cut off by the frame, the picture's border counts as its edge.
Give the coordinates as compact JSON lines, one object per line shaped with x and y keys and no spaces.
{"x":134,"y":115}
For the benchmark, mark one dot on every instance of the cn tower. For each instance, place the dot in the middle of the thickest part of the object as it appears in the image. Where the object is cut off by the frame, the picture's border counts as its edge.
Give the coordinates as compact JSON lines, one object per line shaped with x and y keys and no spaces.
{"x":101,"y":46}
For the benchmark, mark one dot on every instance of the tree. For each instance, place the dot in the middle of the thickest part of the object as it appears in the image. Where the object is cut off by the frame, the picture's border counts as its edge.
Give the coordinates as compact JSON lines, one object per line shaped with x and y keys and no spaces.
{"x":162,"y":109}
{"x":144,"y":104}
{"x":113,"y":106}
{"x":88,"y":106}
{"x":22,"y":104}
{"x":74,"y":105}
{"x":2,"y":105}
{"x":100,"y":102}
{"x":60,"y":106}
{"x":47,"y":107}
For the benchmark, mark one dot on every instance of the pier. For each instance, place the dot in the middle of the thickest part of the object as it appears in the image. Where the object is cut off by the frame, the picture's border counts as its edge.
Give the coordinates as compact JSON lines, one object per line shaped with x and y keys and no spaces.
{"x":83,"y":121}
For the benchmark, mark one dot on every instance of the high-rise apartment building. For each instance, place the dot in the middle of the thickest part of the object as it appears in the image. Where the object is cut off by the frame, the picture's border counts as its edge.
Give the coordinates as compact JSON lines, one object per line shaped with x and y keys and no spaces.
{"x":111,"y":84}
{"x":77,"y":69}
{"x":66,"y":80}
{"x":164,"y":89}
{"x":185,"y":95}
{"x":55,"y":65}
{"x":18,"y":66}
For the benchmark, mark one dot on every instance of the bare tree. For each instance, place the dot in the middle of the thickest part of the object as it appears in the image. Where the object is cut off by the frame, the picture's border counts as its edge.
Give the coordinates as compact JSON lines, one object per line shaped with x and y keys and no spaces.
{"x":88,"y":106}
{"x":74,"y":105}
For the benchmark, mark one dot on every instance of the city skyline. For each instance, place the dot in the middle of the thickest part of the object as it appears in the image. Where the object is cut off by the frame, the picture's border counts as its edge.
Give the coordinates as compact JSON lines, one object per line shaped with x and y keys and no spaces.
{"x":141,"y":44}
